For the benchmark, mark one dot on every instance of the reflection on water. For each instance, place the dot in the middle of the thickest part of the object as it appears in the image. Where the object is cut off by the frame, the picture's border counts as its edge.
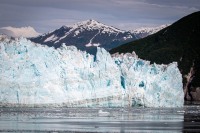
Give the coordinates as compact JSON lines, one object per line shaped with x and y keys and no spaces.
{"x":192,"y":117}
{"x":89,"y":120}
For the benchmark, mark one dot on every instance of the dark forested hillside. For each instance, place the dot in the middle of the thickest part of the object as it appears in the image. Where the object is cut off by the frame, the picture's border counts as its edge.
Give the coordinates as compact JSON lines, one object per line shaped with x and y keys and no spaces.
{"x":178,"y":42}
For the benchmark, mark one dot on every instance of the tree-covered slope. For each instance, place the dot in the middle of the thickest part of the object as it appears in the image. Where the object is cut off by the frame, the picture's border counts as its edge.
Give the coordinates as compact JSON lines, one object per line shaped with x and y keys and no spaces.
{"x":178,"y":42}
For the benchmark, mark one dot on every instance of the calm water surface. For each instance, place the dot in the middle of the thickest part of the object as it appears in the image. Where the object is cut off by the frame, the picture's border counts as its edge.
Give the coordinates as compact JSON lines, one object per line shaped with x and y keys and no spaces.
{"x":186,"y":119}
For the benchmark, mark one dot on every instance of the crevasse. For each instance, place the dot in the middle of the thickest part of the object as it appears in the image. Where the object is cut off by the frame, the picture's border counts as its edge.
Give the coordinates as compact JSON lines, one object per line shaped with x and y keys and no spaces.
{"x":33,"y":74}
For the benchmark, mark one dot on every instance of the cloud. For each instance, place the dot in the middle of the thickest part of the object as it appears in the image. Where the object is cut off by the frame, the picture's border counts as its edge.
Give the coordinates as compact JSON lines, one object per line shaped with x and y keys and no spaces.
{"x":18,"y":32}
{"x":47,"y":15}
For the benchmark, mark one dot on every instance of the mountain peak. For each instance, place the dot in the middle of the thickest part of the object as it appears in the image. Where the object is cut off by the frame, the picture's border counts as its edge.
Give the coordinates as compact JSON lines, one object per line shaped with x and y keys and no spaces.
{"x":93,"y":24}
{"x":151,"y":29}
{"x":86,"y":35}
{"x":89,"y":22}
{"x":146,"y":31}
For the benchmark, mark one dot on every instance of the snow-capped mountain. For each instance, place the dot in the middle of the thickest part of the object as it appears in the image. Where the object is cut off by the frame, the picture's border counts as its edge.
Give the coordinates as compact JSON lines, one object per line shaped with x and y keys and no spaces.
{"x":19,"y":32}
{"x":86,"y":35}
{"x":146,"y":31}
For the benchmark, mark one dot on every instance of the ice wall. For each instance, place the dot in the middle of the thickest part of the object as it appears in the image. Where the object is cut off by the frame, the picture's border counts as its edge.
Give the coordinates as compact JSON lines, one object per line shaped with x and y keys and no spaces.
{"x":33,"y":74}
{"x":148,"y":84}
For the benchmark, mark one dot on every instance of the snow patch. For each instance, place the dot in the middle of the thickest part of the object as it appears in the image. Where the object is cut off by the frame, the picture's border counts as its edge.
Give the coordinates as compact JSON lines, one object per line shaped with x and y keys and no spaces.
{"x":127,"y":37}
{"x":76,"y":33}
{"x":51,"y":38}
{"x":145,"y":31}
{"x":92,"y":24}
{"x":93,"y":44}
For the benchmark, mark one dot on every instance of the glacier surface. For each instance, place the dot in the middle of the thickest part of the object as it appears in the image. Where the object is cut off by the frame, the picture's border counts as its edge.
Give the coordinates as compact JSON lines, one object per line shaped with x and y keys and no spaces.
{"x":33,"y":74}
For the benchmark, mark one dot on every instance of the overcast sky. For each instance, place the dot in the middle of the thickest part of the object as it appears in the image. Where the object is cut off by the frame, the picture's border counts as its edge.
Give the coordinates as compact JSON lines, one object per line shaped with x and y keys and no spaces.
{"x":47,"y":15}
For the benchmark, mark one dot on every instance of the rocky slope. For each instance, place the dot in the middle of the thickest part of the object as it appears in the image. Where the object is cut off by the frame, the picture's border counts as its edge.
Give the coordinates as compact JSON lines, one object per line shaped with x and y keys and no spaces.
{"x":86,"y":35}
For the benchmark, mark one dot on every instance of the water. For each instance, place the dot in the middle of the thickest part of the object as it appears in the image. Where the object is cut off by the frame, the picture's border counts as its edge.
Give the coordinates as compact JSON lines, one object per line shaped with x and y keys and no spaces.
{"x":186,"y":119}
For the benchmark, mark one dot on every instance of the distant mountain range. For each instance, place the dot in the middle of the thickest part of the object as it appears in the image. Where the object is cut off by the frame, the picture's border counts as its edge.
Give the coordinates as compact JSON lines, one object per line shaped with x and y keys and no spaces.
{"x":89,"y":34}
{"x":86,"y":35}
{"x":146,"y":31}
{"x":178,"y":42}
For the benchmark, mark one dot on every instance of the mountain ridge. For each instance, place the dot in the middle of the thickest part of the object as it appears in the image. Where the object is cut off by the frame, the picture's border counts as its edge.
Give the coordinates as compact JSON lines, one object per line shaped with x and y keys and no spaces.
{"x":177,"y":42}
{"x":86,"y":35}
{"x":146,"y":31}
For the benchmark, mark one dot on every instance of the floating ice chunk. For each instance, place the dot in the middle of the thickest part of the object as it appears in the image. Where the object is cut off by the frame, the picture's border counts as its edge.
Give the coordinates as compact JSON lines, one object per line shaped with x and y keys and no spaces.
{"x":103,"y":113}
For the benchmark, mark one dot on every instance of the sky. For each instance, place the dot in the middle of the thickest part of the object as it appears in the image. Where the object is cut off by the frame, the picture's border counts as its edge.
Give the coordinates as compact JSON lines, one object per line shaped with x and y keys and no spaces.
{"x":48,"y":15}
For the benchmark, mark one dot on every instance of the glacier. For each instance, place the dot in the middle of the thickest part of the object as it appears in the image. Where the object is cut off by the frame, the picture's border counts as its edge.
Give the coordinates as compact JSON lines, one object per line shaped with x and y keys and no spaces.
{"x":36,"y":75}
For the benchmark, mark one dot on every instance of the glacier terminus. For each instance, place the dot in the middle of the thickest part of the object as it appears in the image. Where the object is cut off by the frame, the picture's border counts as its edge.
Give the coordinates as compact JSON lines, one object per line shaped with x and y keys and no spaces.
{"x":37,"y":75}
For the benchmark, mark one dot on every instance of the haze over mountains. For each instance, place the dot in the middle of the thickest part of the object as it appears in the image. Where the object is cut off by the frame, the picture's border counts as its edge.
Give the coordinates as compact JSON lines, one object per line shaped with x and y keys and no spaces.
{"x":18,"y":32}
{"x":179,"y":42}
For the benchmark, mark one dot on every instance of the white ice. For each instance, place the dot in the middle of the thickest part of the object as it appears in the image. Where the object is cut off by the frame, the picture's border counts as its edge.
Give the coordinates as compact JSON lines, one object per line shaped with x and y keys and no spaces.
{"x":35,"y":74}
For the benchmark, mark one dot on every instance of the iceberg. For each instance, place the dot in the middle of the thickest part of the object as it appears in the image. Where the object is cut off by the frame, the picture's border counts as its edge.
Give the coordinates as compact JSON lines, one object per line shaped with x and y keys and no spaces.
{"x":36,"y":75}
